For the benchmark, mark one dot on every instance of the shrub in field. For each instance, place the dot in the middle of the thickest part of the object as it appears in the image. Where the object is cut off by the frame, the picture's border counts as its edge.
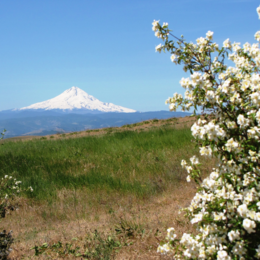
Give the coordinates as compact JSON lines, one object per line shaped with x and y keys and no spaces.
{"x":226,"y":207}
{"x":6,"y":240}
{"x":9,"y":190}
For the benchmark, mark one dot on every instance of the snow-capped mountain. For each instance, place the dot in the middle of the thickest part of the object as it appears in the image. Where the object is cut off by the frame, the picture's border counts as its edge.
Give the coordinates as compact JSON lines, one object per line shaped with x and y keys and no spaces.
{"x":73,"y":110}
{"x":77,"y":99}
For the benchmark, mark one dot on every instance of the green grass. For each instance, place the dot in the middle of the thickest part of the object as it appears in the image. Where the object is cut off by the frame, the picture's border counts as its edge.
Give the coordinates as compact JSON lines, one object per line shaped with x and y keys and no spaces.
{"x":126,"y":162}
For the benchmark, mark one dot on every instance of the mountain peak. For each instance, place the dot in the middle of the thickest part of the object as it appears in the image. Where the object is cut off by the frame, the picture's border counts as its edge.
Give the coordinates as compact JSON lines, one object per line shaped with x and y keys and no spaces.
{"x":73,"y":90}
{"x":76,"y":98}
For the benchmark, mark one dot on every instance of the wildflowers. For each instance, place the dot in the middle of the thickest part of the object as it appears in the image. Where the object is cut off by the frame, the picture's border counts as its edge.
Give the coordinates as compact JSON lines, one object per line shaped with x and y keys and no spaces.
{"x":226,"y":208}
{"x":10,"y":188}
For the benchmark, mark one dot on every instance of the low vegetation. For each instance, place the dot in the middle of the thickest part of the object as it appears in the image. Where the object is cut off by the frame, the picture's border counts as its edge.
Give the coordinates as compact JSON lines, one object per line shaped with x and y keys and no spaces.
{"x":99,"y":194}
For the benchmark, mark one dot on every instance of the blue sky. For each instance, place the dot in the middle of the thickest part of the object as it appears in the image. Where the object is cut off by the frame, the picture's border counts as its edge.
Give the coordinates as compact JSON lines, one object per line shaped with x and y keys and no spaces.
{"x":106,"y":48}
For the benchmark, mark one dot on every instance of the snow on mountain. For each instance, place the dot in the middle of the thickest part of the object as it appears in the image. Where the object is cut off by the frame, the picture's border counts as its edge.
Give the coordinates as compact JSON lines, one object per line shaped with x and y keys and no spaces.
{"x":76,"y":98}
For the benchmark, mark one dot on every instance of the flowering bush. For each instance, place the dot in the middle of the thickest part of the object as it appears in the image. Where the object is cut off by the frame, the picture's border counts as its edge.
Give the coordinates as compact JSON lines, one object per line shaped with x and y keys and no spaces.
{"x":226,"y":207}
{"x":9,"y":190}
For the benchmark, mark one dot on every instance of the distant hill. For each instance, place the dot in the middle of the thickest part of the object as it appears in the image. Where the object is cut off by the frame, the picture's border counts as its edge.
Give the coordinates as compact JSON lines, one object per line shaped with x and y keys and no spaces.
{"x":28,"y":122}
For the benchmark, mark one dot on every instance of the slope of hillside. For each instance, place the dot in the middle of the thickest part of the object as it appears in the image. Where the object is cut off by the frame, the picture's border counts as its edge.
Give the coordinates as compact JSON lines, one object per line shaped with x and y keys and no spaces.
{"x":51,"y":124}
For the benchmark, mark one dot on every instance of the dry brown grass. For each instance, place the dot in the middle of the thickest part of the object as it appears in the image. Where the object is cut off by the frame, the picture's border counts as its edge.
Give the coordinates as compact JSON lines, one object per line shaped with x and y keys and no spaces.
{"x":154,"y":215}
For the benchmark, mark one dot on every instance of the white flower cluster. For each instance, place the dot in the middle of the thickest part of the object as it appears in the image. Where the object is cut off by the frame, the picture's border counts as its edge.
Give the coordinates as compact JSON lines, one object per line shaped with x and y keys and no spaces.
{"x":9,"y":184}
{"x":164,"y":249}
{"x":160,"y":32}
{"x":226,"y":208}
{"x":211,"y":131}
{"x":9,"y":188}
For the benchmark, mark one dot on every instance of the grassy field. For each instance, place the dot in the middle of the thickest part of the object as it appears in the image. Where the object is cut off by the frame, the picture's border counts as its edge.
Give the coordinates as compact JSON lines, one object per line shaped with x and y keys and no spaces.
{"x":121,"y":179}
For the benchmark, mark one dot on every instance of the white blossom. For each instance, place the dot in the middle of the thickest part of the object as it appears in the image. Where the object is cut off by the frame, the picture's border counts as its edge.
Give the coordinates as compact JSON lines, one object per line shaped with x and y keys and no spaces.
{"x":227,"y":43}
{"x":158,"y":48}
{"x":233,"y":235}
{"x":209,"y":35}
{"x":258,"y":11}
{"x":249,"y":225}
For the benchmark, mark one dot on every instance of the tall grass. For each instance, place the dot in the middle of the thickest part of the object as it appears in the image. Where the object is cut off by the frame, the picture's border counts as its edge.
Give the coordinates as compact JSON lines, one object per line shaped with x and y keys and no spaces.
{"x":126,"y":162}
